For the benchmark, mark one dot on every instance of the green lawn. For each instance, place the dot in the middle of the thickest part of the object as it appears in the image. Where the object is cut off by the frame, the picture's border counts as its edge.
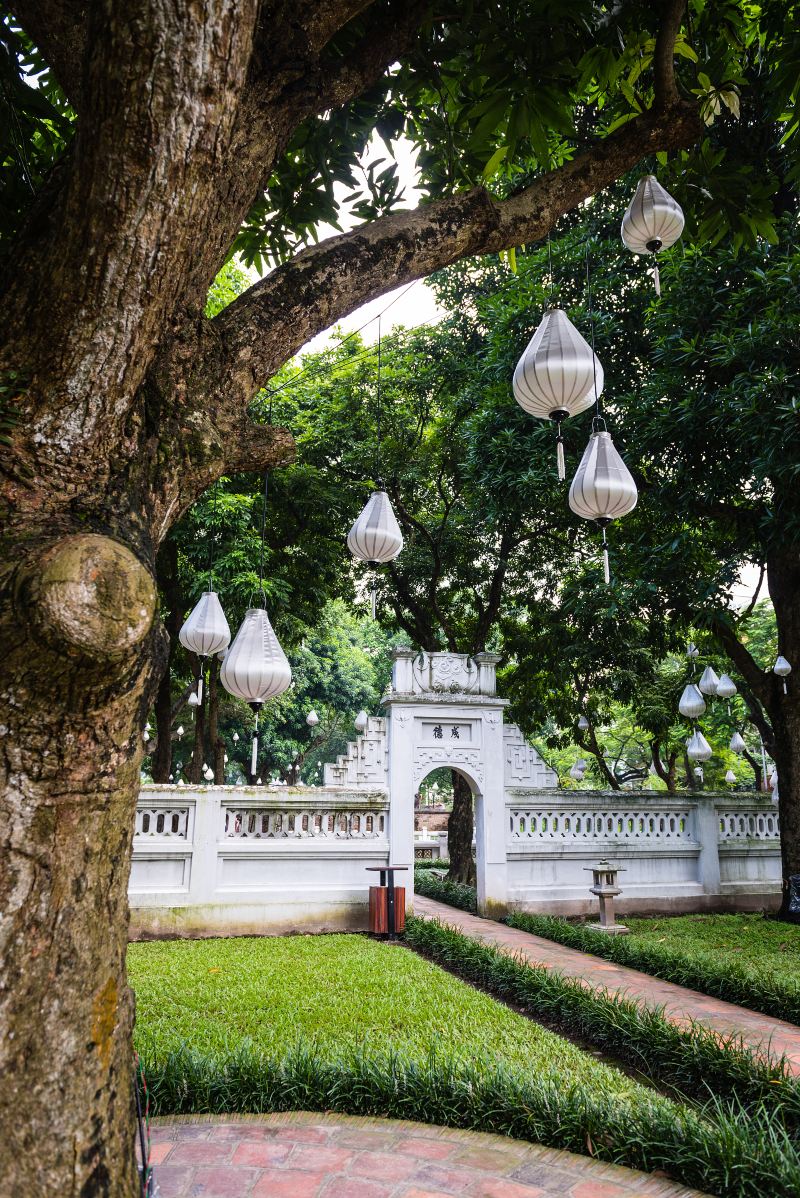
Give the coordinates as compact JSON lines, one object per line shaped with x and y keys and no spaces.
{"x":747,"y":941}
{"x":337,"y":993}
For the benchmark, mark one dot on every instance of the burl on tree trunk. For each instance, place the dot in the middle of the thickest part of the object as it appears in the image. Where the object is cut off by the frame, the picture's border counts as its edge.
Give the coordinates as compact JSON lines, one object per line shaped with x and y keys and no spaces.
{"x":460,"y":827}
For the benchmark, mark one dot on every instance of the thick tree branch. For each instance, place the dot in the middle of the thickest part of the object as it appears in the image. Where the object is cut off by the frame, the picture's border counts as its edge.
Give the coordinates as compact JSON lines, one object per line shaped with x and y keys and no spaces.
{"x":756,"y":678}
{"x":666,"y":91}
{"x":326,"y":282}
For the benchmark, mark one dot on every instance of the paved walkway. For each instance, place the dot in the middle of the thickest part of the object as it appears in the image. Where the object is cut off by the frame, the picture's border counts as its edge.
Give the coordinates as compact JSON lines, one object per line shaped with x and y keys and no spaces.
{"x":681,"y":1006}
{"x":302,"y":1155}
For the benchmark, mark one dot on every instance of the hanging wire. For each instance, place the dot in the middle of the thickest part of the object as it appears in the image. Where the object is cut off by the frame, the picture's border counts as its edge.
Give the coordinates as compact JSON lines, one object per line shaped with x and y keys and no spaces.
{"x":552,"y":287}
{"x":597,"y":411}
{"x":210,"y":561}
{"x":378,"y":478}
{"x":261,"y":592}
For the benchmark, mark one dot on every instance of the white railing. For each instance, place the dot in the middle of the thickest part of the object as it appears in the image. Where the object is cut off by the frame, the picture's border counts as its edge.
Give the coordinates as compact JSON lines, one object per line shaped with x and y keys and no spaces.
{"x":631,"y":825}
{"x":261,"y":823}
{"x":250,"y":859}
{"x":748,"y":825}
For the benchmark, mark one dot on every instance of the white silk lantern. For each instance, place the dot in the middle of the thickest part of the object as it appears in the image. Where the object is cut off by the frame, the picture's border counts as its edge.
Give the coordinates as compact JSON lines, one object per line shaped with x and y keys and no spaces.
{"x":697,"y":747}
{"x":361,"y":721}
{"x":603,"y":488}
{"x":577,"y":772}
{"x":653,"y":221}
{"x":255,"y":667}
{"x":583,"y":723}
{"x":782,"y":669}
{"x":312,"y":719}
{"x":375,"y":536}
{"x":737,"y":744}
{"x":726,"y":687}
{"x":692,"y":651}
{"x":692,"y":704}
{"x":205,"y":631}
{"x":558,"y":375}
{"x":708,"y":681}
{"x":730,"y":777}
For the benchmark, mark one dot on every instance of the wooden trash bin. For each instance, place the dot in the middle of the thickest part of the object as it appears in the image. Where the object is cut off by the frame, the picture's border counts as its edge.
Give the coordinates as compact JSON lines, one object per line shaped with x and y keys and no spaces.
{"x":387,"y":903}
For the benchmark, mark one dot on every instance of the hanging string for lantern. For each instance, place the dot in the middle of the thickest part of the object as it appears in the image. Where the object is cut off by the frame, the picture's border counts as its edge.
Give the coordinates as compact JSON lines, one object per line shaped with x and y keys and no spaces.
{"x":375,"y":536}
{"x":256,"y":668}
{"x":653,"y":221}
{"x":205,"y":630}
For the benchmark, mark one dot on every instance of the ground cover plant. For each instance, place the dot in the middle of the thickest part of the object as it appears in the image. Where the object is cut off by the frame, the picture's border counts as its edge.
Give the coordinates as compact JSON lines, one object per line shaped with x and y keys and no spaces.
{"x":743,"y":959}
{"x":456,"y":894}
{"x":344,"y":1023}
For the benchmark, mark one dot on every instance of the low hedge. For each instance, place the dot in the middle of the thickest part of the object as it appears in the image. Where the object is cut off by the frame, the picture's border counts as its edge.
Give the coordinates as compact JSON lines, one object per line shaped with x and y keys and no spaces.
{"x":695,"y":1061}
{"x":455,"y":894}
{"x":717,"y":1151}
{"x":762,"y":992}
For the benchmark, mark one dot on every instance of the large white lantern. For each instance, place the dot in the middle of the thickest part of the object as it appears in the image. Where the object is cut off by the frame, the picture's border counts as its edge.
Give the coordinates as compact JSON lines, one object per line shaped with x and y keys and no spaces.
{"x":737,"y":744}
{"x":603,"y":488}
{"x":255,"y":667}
{"x":782,"y":669}
{"x":653,"y":221}
{"x":726,"y":687}
{"x":205,"y":631}
{"x":697,"y":747}
{"x":558,"y":375}
{"x":692,"y":704}
{"x":708,"y":681}
{"x":375,"y":536}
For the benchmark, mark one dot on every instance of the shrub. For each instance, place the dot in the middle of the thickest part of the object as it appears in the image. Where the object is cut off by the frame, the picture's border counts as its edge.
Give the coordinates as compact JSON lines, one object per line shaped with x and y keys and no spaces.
{"x":455,"y":894}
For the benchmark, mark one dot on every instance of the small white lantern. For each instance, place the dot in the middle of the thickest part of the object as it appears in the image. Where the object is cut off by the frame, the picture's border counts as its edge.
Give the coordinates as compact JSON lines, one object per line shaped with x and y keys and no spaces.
{"x":146,"y":736}
{"x":782,"y":669}
{"x":255,"y":667}
{"x":653,"y":221}
{"x":708,"y":681}
{"x":180,"y":731}
{"x":737,"y":744}
{"x":360,"y":722}
{"x":172,"y":777}
{"x":603,"y":488}
{"x":194,"y":699}
{"x":208,"y":775}
{"x":558,"y":375}
{"x":258,"y":782}
{"x":375,"y":536}
{"x":205,"y":631}
{"x":697,"y":747}
{"x":181,"y":782}
{"x":312,"y":719}
{"x":692,"y":651}
{"x":576,"y":773}
{"x":236,"y":738}
{"x":225,"y":758}
{"x":583,"y":723}
{"x":730,"y":777}
{"x":726,"y":687}
{"x":692,"y":704}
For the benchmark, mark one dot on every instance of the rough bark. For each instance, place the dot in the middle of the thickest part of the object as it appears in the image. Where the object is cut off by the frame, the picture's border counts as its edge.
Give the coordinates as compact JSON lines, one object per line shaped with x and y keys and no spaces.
{"x":783,"y":577}
{"x":460,"y":828}
{"x":214,"y":739}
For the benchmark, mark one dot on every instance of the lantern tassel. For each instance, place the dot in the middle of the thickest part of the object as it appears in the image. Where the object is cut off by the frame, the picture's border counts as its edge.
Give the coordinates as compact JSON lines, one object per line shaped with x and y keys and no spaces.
{"x":200,"y":688}
{"x":254,"y":752}
{"x":785,"y":691}
{"x":657,"y":278}
{"x":606,"y":569}
{"x":562,"y":470}
{"x":373,"y":598}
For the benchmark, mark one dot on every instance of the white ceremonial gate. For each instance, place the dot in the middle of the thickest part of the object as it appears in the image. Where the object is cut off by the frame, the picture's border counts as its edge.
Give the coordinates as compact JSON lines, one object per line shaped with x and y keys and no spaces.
{"x":273,"y":859}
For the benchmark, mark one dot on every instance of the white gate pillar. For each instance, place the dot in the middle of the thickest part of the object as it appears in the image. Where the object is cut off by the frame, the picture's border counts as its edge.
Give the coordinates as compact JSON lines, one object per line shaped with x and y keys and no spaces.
{"x":444,"y":713}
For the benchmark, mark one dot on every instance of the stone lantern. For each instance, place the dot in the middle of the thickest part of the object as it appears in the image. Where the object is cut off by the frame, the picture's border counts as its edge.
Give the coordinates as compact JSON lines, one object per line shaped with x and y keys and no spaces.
{"x":604,"y":885}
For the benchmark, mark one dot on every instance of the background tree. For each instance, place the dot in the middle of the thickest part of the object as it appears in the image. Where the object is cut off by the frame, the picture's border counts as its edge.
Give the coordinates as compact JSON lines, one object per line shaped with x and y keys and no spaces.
{"x":122,"y":403}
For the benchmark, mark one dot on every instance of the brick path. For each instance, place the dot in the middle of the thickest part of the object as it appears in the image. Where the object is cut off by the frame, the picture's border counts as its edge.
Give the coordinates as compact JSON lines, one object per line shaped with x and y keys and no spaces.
{"x":302,"y":1155}
{"x":681,"y":1006}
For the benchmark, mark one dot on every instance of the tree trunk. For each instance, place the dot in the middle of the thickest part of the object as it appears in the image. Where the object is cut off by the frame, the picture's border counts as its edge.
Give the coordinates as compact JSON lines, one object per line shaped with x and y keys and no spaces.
{"x":214,"y":738}
{"x":172,"y":600}
{"x":755,"y":766}
{"x":73,"y":702}
{"x":783,"y":575}
{"x":459,"y":833}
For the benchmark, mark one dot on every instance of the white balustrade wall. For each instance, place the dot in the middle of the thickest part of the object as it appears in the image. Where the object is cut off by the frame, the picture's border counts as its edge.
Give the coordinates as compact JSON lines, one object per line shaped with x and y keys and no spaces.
{"x":693,"y":853}
{"x":233,"y":860}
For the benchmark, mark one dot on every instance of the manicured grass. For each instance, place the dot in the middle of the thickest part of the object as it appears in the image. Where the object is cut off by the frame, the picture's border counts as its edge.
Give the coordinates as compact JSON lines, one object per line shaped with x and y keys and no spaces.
{"x":742,"y":941}
{"x":743,"y":959}
{"x":336,"y":994}
{"x":346,"y":1024}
